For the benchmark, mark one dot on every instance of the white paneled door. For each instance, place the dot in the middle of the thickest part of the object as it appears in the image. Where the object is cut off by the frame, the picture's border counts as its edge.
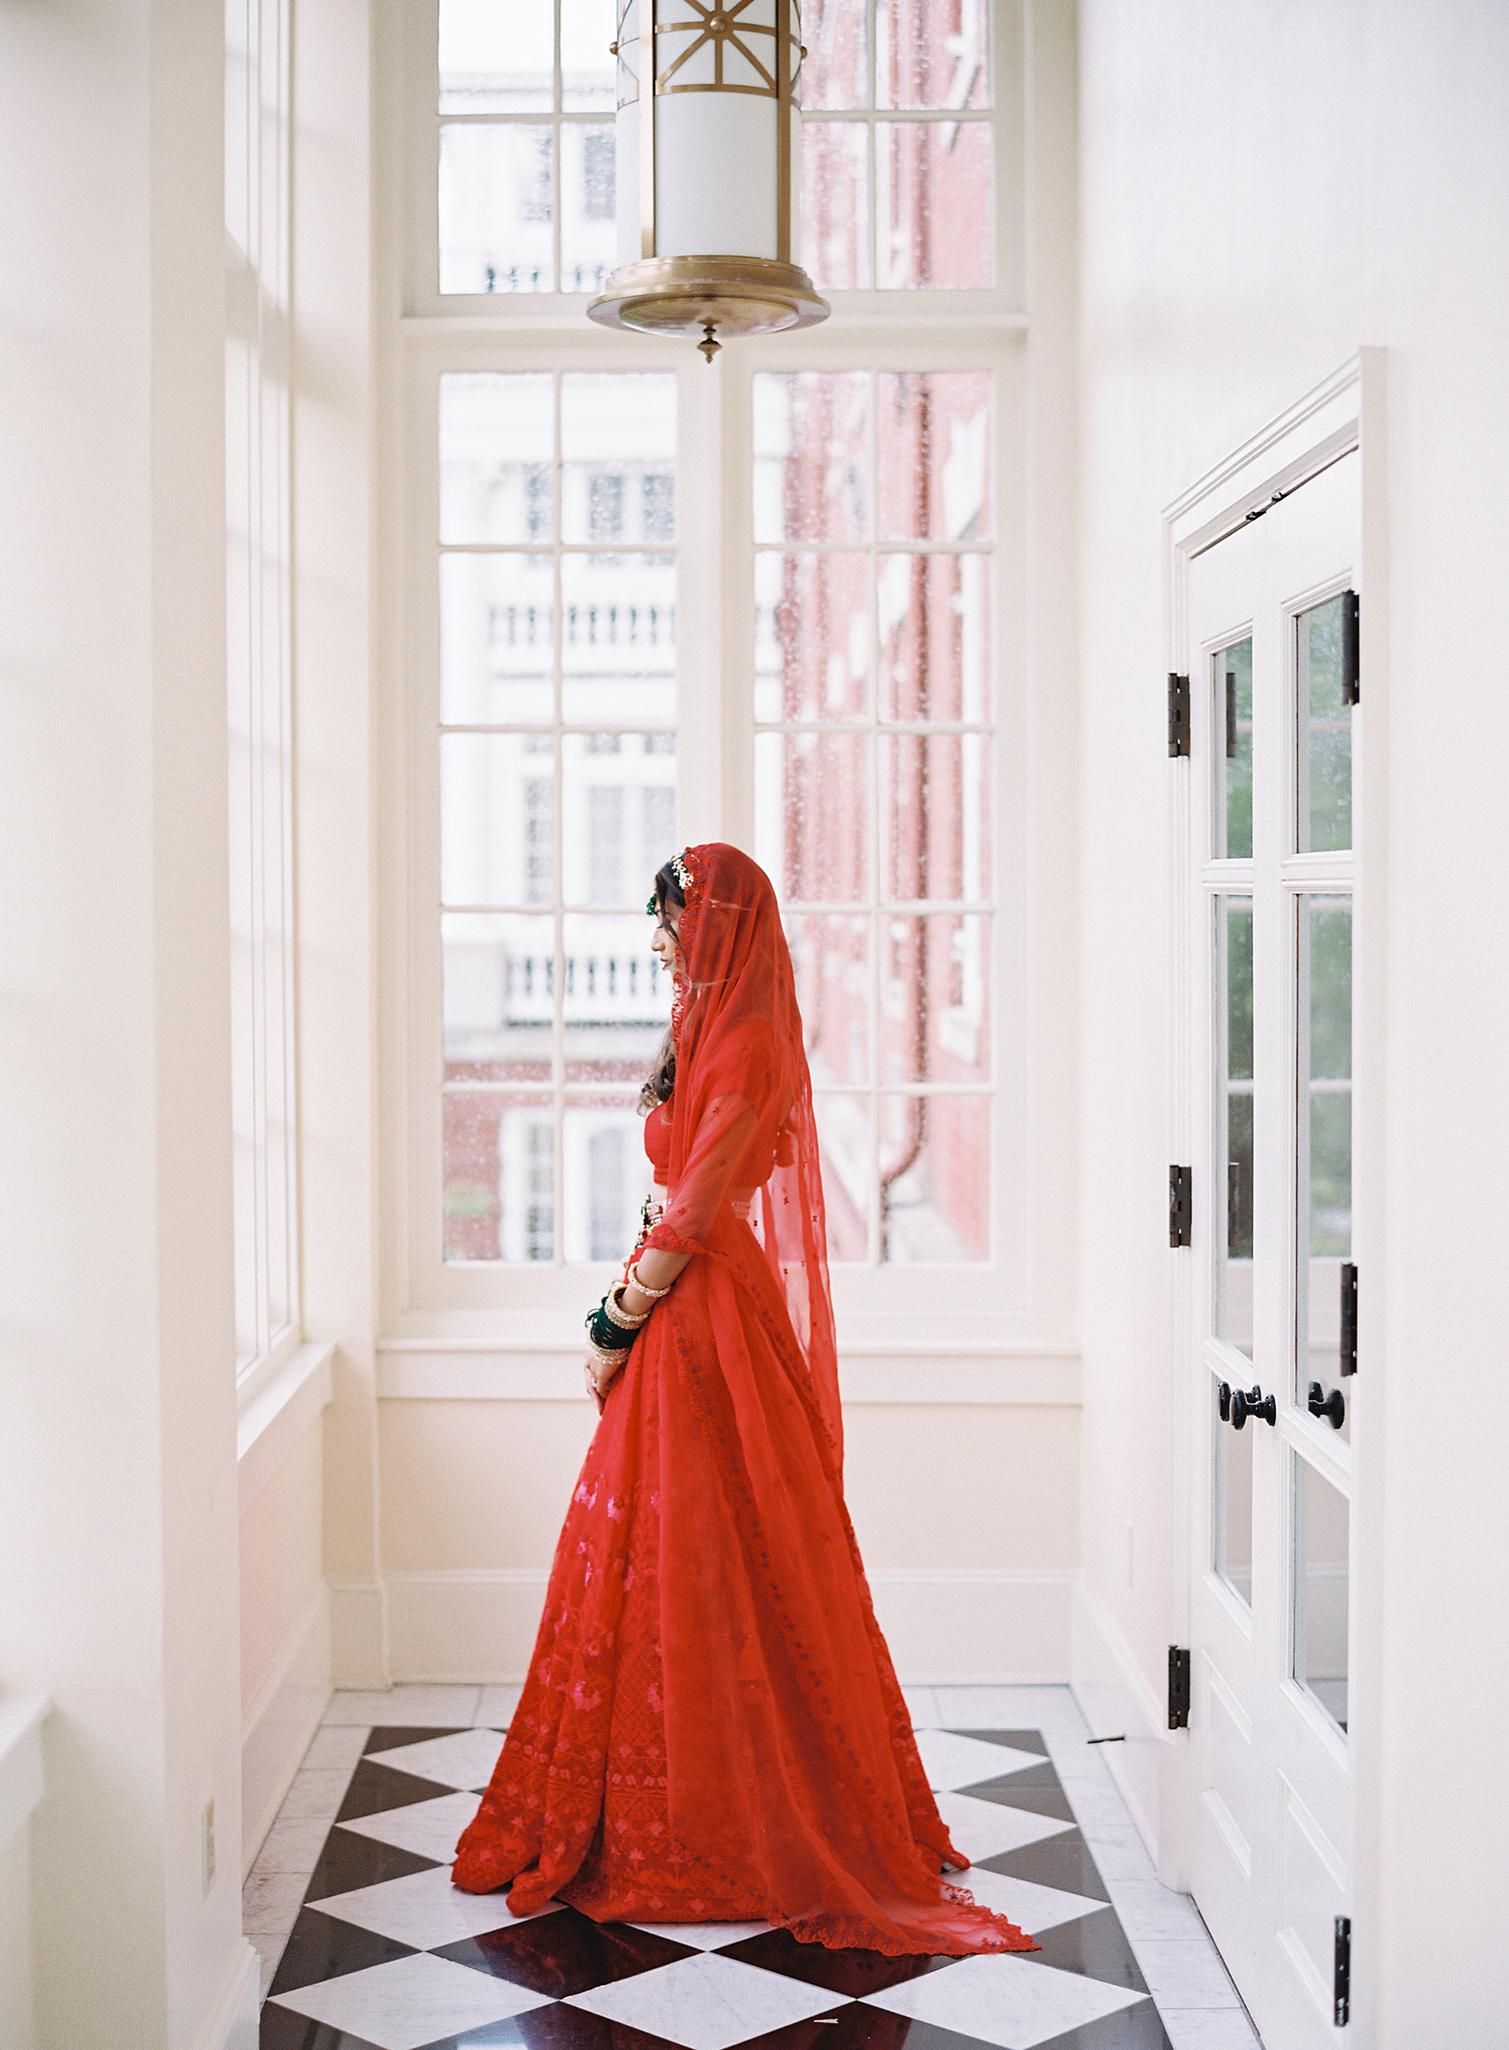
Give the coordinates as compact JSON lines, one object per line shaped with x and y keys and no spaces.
{"x":1274,"y":731}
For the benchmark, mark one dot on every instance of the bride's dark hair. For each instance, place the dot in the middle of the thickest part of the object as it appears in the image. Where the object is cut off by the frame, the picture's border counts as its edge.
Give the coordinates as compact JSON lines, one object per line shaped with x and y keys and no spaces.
{"x":658,"y":1083}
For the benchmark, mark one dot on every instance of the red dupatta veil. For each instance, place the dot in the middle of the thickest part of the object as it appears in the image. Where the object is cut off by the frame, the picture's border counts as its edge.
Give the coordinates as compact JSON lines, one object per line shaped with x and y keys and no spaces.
{"x":790,"y":1759}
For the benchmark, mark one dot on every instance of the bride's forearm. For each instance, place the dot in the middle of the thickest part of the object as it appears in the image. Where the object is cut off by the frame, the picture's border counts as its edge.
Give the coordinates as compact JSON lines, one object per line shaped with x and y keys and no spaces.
{"x":659,"y":1267}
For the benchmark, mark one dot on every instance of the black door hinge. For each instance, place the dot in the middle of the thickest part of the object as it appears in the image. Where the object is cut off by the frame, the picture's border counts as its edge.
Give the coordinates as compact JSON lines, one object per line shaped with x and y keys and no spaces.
{"x":1341,"y":1972}
{"x":1178,"y":1686}
{"x":1351,"y":648}
{"x":1180,"y":1205}
{"x":1348,"y":1317}
{"x":1178,"y":713}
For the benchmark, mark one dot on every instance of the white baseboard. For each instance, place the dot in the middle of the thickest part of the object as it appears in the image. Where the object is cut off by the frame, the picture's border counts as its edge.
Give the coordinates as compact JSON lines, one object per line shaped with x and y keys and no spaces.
{"x":278,"y":1726}
{"x":359,"y":1633}
{"x":943,"y":1627}
{"x":1115,"y":1695}
{"x":236,"y":2023}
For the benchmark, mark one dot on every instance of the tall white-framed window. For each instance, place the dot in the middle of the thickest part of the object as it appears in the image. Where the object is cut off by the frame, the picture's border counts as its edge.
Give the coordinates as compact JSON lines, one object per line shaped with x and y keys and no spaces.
{"x":640,"y":602}
{"x":259,"y":558}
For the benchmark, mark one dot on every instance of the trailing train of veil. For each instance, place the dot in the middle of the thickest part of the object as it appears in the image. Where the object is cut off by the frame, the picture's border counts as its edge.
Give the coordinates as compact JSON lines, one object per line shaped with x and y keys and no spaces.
{"x":711,"y":1728}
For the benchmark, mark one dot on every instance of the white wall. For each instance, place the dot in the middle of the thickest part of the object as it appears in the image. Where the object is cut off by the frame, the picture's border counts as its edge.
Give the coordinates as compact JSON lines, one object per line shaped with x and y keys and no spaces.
{"x":117,"y":1460}
{"x":1264,"y":187}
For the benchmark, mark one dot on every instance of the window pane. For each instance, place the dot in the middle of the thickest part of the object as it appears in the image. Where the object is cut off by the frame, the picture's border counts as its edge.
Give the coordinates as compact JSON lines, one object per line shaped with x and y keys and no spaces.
{"x":495,"y":59}
{"x":618,"y":637}
{"x":498,"y":1001}
{"x":848,"y":1153}
{"x":606,"y":1177}
{"x":1323,"y":1182}
{"x":1231,"y":1495}
{"x":496,"y":451}
{"x":932,"y":433}
{"x":835,"y":71}
{"x":835,"y":204}
{"x":812,"y":636}
{"x":618,"y":432}
{"x":934,"y":815}
{"x":497,"y":818}
{"x":619,"y":815}
{"x":934,"y":998}
{"x":499,"y":1175}
{"x":830,"y":955}
{"x":1232,"y":987}
{"x":935,"y":188}
{"x":812,"y":811}
{"x":589,"y":235}
{"x":1322,"y":1588}
{"x":930,"y":55}
{"x":934,"y":1179}
{"x":496,"y":207}
{"x":811,"y":447}
{"x":497,"y":638}
{"x":587,"y":31}
{"x":616,"y":998}
{"x":1324,"y":768}
{"x":934,"y":625}
{"x":1231,"y":723}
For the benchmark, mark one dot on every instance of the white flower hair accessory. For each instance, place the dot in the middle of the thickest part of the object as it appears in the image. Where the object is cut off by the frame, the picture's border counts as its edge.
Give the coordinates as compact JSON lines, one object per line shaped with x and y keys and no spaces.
{"x":681,"y":872}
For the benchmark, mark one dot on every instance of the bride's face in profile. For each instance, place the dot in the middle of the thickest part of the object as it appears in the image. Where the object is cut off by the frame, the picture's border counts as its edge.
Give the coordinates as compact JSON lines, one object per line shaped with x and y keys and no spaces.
{"x":664,"y":944}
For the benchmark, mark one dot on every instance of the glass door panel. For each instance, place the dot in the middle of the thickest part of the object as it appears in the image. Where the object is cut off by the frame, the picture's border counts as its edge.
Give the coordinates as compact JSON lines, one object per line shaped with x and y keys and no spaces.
{"x":1231,"y":1500}
{"x":1231,"y":757}
{"x":1232,"y":1037}
{"x":1322,"y":1580}
{"x":1323,"y":766}
{"x":1323,"y":1150}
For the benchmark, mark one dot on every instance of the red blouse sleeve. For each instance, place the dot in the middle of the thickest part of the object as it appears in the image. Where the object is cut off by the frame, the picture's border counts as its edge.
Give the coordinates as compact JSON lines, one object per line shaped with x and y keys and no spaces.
{"x":701,"y":1195}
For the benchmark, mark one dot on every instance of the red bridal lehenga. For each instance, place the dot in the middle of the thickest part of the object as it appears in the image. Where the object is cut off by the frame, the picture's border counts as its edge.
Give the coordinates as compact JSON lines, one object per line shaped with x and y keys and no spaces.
{"x":711,"y":1727}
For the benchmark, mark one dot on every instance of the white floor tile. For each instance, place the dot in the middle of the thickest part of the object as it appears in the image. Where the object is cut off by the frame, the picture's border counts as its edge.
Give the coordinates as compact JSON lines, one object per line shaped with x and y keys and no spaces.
{"x":1031,"y":1906}
{"x":707,"y":2002}
{"x":1185,"y":1972}
{"x":409,"y":2001}
{"x":953,"y":1761}
{"x":448,"y":1706}
{"x":428,"y":1828}
{"x":1148,"y":1908}
{"x":314,"y":1795}
{"x":704,"y":1935}
{"x":496,"y":1705}
{"x":983,"y":1829}
{"x":923,"y":1704}
{"x":1009,"y":1708}
{"x":336,"y":1746}
{"x":270,"y":1900}
{"x":425,"y":1909}
{"x":1004,"y":2000}
{"x":293,"y":1844}
{"x":465,"y":1759}
{"x":1209,"y":2028}
{"x":1120,"y":1853}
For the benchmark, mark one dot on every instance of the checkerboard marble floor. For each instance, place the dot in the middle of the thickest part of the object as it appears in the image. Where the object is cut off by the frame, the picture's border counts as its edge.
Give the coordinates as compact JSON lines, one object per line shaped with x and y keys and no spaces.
{"x":366,"y":1945}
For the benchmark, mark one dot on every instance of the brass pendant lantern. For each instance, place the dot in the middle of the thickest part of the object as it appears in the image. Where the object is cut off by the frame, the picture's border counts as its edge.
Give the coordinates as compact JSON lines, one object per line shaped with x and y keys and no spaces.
{"x":707,"y":186}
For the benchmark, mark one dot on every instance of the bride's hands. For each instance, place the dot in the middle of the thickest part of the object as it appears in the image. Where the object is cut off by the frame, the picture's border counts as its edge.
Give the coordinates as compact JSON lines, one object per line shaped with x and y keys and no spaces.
{"x":599,"y":1378}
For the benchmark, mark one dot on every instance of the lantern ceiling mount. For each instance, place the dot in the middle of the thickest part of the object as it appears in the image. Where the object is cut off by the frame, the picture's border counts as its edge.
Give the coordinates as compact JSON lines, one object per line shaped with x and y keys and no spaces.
{"x":707,"y":186}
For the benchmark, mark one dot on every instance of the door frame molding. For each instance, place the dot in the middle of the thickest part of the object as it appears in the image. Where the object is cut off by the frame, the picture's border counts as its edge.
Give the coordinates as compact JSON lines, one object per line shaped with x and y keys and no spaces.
{"x":1345,"y":410}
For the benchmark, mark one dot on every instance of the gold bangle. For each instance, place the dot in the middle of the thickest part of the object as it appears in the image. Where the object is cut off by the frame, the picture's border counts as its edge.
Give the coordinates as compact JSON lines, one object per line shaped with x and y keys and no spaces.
{"x":644,"y":1287}
{"x":626,"y":1320}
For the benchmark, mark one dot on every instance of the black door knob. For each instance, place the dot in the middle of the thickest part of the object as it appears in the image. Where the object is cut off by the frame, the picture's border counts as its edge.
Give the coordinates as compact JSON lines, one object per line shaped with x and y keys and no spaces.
{"x":1223,"y":1398}
{"x":1332,"y":1405}
{"x":1246,"y":1402}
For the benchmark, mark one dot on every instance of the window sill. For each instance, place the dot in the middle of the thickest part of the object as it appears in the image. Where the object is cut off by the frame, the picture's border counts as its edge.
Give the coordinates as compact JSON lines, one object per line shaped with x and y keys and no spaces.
{"x":278,"y":1413}
{"x":480,"y":1368}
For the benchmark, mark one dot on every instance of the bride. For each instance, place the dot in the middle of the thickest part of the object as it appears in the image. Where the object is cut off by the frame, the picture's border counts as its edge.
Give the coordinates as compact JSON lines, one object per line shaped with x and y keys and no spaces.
{"x":711,"y":1727}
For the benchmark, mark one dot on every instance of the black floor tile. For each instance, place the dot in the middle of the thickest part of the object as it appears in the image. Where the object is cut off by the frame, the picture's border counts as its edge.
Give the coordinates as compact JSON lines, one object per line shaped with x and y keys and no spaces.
{"x":849,"y":1972}
{"x":565,"y":1953}
{"x":321,"y":1947}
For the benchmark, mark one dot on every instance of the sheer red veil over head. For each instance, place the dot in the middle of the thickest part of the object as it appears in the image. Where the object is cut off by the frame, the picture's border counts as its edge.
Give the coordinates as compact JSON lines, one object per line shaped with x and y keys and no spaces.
{"x":741,"y":1108}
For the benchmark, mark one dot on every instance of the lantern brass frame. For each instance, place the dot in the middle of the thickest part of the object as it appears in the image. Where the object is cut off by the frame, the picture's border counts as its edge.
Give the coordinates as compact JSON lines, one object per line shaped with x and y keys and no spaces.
{"x":739,"y":295}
